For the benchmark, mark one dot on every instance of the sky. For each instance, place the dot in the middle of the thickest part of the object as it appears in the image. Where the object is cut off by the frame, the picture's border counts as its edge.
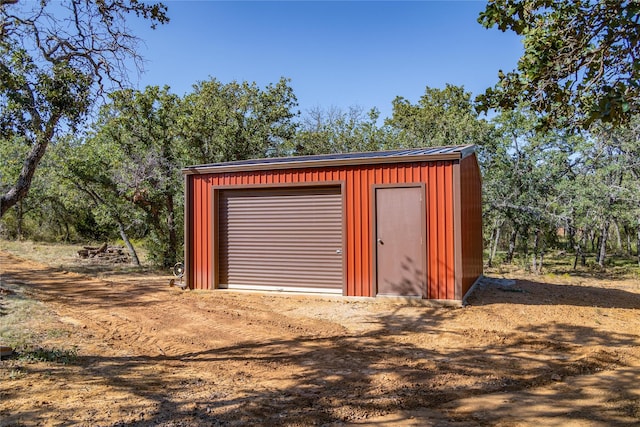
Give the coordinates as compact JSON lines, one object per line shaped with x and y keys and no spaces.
{"x":336,"y":53}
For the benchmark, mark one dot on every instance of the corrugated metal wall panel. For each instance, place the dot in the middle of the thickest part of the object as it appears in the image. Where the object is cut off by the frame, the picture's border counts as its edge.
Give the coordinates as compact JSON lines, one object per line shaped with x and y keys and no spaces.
{"x":449,"y":236}
{"x":357,"y":220}
{"x":199,"y":267}
{"x":352,"y":286}
{"x":441,"y":243}
{"x":432,"y":232}
{"x":471,"y":219}
{"x":284,"y":238}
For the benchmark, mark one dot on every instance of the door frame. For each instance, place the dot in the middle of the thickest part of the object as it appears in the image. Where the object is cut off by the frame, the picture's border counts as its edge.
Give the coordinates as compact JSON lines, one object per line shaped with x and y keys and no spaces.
{"x":374,"y":233}
{"x":216,"y":190}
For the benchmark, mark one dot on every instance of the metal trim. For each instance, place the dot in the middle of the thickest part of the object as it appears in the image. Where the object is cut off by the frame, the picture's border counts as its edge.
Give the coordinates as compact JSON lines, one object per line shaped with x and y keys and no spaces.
{"x":343,"y":193}
{"x":301,"y":163}
{"x":457,"y":231}
{"x":187,"y":231}
{"x":291,"y":289}
{"x":215,"y":245}
{"x":280,"y":185}
{"x":476,"y":284}
{"x":467,"y":151}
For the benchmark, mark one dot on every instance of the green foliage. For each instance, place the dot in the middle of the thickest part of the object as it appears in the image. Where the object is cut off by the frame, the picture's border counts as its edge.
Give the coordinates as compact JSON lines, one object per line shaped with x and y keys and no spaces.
{"x":51,"y":355}
{"x":236,"y":121}
{"x":522,"y":167}
{"x":521,"y":170}
{"x":12,"y":150}
{"x":606,"y":184}
{"x":133,"y":168}
{"x":585,"y":184}
{"x":52,"y":210}
{"x":130,"y":165}
{"x":85,"y":174}
{"x":441,"y":117}
{"x":580,"y":61}
{"x":335,"y":131}
{"x":55,"y":59}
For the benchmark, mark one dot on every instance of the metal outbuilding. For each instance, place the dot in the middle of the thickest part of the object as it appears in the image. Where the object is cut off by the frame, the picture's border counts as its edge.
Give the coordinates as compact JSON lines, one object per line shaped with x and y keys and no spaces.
{"x":402,"y":223}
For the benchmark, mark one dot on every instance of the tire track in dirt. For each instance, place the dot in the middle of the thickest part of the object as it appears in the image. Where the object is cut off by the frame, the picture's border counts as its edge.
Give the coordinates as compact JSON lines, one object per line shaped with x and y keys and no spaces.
{"x":210,"y":358}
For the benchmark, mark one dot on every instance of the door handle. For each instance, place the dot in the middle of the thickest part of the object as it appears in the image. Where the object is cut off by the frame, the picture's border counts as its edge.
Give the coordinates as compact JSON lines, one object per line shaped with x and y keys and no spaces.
{"x":339,"y":251}
{"x":380,"y":242}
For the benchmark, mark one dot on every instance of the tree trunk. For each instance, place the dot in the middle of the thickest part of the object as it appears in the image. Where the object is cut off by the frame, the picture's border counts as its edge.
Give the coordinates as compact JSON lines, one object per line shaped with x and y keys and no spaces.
{"x":19,"y":190}
{"x":578,"y":255}
{"x":536,"y":241}
{"x":67,"y":234}
{"x":603,"y":244}
{"x":19,"y":221}
{"x":543,"y":249}
{"x":627,"y":232}
{"x":125,"y":238}
{"x":571,"y":244}
{"x":173,"y":234}
{"x":638,"y":244}
{"x":512,"y":245}
{"x":495,"y":233}
{"x":618,"y":236}
{"x":494,"y":249}
{"x":525,"y":244}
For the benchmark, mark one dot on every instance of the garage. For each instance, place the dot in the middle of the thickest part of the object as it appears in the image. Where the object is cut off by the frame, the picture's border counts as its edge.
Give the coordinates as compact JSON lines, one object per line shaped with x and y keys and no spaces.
{"x":399,"y":223}
{"x":281,"y":239}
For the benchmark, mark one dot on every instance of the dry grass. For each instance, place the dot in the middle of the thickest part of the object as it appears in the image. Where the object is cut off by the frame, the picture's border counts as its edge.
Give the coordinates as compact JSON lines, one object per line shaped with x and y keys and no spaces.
{"x":560,"y":264}
{"x":63,"y":256}
{"x":54,"y":254}
{"x":24,"y":322}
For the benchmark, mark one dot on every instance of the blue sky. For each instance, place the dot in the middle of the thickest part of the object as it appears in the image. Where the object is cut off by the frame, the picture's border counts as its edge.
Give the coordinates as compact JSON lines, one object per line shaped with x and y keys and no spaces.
{"x":337,"y":54}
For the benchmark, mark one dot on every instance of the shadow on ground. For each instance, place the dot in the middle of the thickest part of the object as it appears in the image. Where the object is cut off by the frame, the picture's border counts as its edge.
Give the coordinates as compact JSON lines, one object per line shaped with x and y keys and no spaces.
{"x":408,"y":359}
{"x":354,"y":377}
{"x":527,"y":292}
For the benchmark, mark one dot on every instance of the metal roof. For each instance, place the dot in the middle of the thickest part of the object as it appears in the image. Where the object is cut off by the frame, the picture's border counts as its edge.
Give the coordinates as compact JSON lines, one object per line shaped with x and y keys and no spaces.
{"x":430,"y":154}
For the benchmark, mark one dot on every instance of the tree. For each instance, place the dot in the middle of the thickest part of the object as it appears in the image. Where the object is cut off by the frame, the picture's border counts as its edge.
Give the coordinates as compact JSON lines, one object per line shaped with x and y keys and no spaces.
{"x":55,"y":59}
{"x":336,"y":131}
{"x":580,"y":61}
{"x":52,"y":210}
{"x":522,"y":169}
{"x":628,"y":141}
{"x":609,"y":182}
{"x":88,"y":169}
{"x":441,"y":117}
{"x":146,"y":154}
{"x":142,"y":140}
{"x":235,"y":121}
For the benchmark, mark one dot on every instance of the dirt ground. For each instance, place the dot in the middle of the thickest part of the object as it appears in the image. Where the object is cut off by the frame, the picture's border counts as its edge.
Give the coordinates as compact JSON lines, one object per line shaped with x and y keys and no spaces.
{"x":127,"y":349}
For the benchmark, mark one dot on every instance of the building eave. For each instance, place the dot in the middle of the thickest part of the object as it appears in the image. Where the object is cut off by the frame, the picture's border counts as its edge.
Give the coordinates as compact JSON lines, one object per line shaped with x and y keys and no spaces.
{"x":331,"y":161}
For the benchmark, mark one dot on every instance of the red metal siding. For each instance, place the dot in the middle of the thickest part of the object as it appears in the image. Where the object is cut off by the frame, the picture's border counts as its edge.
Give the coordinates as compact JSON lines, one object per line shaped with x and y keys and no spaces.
{"x":358,"y":216}
{"x":471,"y":219}
{"x":200,"y":232}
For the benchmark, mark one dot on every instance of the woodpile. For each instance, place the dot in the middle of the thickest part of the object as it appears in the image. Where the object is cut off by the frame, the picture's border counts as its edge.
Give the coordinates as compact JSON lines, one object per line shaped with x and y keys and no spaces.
{"x":105,"y":254}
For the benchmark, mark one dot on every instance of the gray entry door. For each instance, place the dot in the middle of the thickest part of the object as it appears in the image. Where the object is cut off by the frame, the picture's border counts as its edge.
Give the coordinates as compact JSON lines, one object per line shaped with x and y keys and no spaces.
{"x":400,"y":255}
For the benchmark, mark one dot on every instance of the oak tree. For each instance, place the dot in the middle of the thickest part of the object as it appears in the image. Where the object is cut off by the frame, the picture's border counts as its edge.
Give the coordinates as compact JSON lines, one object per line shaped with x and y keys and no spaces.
{"x":56,"y":58}
{"x":580,"y":61}
{"x":440,"y":117}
